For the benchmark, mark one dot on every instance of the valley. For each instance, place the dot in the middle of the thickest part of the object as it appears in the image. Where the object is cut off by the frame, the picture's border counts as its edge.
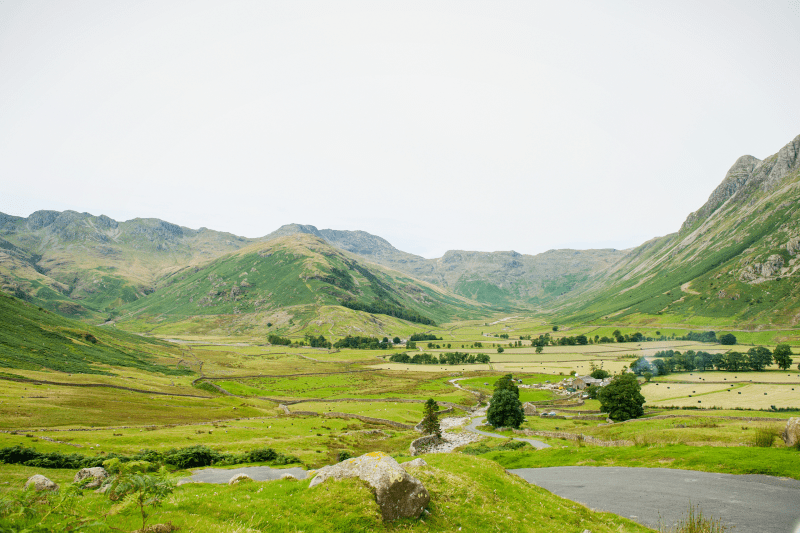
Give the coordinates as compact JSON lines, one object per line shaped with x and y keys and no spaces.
{"x":148,"y":344}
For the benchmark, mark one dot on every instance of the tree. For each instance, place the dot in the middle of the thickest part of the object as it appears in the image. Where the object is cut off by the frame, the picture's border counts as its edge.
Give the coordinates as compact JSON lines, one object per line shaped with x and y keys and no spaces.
{"x":555,"y":328}
{"x":582,"y":340}
{"x":782,"y":355}
{"x":599,"y":373}
{"x":396,"y":340}
{"x":482,"y":358}
{"x":430,"y":419}
{"x":500,"y":349}
{"x":539,"y":348}
{"x":506,"y":383}
{"x":729,"y":339}
{"x":733,"y":361}
{"x":622,"y":398}
{"x":758,"y":358}
{"x":505,"y":410}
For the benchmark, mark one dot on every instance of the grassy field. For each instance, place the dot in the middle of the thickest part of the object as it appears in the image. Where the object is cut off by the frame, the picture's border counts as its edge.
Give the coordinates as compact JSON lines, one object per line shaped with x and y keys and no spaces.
{"x":101,"y":420}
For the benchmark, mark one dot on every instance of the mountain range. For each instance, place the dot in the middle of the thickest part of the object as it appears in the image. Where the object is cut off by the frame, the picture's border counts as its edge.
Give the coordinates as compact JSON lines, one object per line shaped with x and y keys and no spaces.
{"x":734,"y":260}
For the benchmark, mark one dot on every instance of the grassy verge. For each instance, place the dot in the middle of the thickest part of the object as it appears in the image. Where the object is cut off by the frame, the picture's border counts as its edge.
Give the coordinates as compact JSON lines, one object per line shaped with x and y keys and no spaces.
{"x":467,"y":494}
{"x":781,"y":462}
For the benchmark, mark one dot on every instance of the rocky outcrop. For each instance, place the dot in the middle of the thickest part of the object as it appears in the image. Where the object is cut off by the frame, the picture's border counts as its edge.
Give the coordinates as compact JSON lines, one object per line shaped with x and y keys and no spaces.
{"x":40,"y":483}
{"x":734,"y":180}
{"x":749,"y":173}
{"x":398,"y":494}
{"x":95,"y":475}
{"x":791,"y":433}
{"x":240,"y":478}
{"x":758,"y":271}
{"x":793,"y":246}
{"x":529,"y":409}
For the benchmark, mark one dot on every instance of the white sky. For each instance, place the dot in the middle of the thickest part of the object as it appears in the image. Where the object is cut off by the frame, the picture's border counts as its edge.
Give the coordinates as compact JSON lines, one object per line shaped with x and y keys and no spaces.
{"x":437,"y":125}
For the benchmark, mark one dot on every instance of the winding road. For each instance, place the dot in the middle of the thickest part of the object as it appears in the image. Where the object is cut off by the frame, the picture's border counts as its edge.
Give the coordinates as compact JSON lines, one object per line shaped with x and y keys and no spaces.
{"x":662,"y":496}
{"x":473,"y":427}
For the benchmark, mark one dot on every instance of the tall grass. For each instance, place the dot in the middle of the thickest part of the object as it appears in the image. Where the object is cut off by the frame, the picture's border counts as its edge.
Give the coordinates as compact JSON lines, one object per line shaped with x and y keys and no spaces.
{"x":695,"y":522}
{"x":764,"y":437}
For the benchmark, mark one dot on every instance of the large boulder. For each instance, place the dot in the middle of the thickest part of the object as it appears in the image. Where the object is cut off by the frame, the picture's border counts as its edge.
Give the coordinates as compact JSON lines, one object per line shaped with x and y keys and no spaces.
{"x":398,"y":494}
{"x":529,"y":409}
{"x":96,"y":476}
{"x":40,"y":483}
{"x":791,"y":434}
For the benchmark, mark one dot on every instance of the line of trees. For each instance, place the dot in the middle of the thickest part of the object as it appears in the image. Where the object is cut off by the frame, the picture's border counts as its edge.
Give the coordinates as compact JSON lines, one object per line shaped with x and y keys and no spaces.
{"x":362,"y":343}
{"x":382,"y":308}
{"x":757,"y":358}
{"x":449,"y":358}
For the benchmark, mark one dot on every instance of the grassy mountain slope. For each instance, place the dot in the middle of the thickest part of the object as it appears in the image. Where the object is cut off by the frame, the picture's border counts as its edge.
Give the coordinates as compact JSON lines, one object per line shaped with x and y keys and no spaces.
{"x":32,"y":338}
{"x":287,"y":282}
{"x":735,"y":261}
{"x":503,"y":279}
{"x":86,"y":266}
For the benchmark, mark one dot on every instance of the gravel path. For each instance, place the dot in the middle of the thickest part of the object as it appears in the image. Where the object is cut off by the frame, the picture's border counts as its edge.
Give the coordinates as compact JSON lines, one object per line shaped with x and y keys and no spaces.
{"x":750,"y":503}
{"x":473,"y":427}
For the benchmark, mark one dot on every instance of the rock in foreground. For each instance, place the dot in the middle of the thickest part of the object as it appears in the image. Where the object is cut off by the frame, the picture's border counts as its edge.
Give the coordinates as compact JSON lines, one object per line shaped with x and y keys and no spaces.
{"x":398,"y":494}
{"x":791,"y":435}
{"x":40,"y":483}
{"x":97,"y":475}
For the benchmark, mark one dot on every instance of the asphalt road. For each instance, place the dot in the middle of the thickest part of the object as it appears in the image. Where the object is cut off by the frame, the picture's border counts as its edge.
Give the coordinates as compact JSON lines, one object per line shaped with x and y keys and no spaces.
{"x":479,"y":420}
{"x":662,"y":496}
{"x":257,"y":473}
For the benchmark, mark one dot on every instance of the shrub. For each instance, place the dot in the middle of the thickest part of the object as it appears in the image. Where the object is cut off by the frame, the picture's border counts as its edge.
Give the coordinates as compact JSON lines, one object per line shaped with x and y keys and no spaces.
{"x":764,"y":437}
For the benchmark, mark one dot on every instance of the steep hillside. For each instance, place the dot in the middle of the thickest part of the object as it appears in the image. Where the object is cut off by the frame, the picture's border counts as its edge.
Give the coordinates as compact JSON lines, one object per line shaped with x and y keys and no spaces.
{"x":35,"y":339}
{"x":286,"y":282}
{"x":505,"y":279}
{"x":734,"y":261}
{"x":86,"y":266}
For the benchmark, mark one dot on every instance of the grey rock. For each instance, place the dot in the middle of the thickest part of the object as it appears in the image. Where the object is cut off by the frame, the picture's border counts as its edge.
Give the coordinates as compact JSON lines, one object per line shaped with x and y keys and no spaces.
{"x":419,"y":461}
{"x":97,"y":475}
{"x":398,"y":494}
{"x":791,"y":433}
{"x":40,"y":483}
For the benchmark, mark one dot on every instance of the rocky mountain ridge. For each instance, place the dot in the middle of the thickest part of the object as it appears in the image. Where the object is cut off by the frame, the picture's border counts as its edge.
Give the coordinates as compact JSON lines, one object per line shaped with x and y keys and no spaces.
{"x":735,"y":258}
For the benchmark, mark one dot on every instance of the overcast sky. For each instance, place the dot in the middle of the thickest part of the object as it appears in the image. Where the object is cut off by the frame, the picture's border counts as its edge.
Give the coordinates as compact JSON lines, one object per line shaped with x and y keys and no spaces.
{"x":437,"y":125}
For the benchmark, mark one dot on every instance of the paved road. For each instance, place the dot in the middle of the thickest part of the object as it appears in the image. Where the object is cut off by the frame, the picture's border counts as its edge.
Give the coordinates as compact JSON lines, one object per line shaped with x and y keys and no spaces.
{"x":479,"y":420}
{"x":258,"y":473}
{"x":750,"y":503}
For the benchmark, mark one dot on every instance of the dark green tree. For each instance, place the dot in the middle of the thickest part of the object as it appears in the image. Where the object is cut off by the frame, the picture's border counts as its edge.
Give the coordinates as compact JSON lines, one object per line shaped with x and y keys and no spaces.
{"x":539,"y":348}
{"x":734,"y":361}
{"x":430,"y":419}
{"x":500,"y":349}
{"x":582,"y":340}
{"x":758,"y":358}
{"x":728,"y":339}
{"x":599,"y":373}
{"x":396,"y":340}
{"x":505,"y":410}
{"x":622,"y":398}
{"x":506,"y":383}
{"x":782,"y":355}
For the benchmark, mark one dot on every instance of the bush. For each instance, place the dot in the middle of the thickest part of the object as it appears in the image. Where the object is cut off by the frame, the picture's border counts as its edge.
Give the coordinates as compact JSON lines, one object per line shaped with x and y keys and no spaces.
{"x":764,"y":437}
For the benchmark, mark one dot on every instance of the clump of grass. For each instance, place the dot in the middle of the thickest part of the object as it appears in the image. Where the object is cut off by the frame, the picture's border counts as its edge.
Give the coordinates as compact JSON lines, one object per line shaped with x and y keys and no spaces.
{"x":764,"y":437}
{"x":695,"y":522}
